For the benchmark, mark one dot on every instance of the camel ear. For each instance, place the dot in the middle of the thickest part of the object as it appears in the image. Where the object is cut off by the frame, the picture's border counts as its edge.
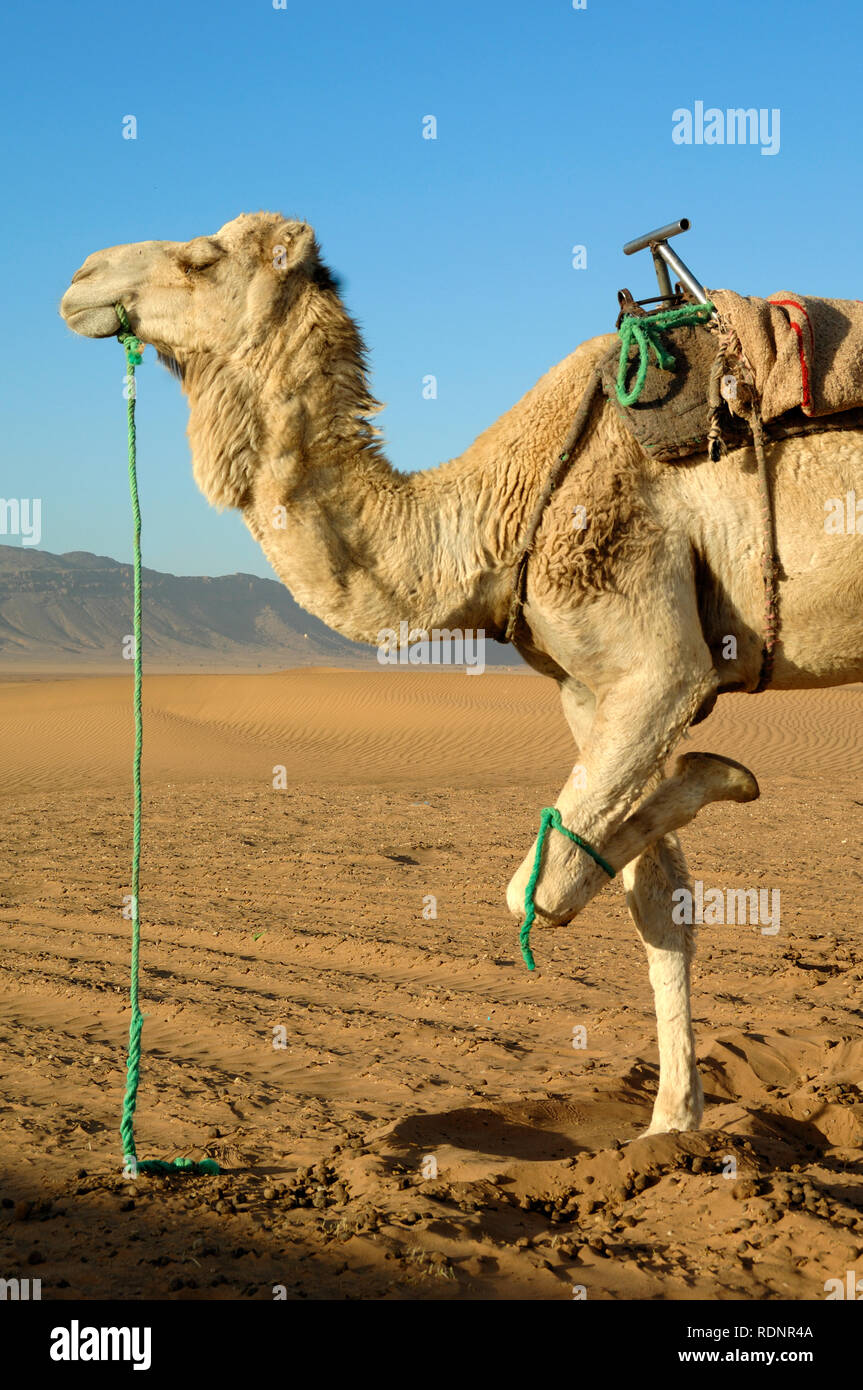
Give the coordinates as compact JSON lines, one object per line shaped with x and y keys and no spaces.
{"x":291,"y":247}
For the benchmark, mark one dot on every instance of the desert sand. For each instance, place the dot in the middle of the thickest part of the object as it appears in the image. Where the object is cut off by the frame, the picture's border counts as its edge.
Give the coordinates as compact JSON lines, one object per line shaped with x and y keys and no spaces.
{"x":427,"y":1129}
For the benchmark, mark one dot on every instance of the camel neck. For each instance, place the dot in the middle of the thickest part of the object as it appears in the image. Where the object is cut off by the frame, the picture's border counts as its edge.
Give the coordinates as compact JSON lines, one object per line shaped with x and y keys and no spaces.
{"x":366,"y":549}
{"x":286,"y":436}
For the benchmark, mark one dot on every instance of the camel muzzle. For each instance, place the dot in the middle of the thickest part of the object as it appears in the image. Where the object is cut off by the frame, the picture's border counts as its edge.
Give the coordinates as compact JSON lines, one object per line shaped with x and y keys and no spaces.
{"x":93,"y":320}
{"x":88,"y":304}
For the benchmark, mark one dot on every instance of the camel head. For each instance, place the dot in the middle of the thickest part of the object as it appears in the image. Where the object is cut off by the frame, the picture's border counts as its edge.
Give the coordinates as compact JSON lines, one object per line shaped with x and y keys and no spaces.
{"x":234,"y":316}
{"x":218,"y":293}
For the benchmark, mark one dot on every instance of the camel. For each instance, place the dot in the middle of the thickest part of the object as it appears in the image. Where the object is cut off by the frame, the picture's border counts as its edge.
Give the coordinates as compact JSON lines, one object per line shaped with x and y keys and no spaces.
{"x":628,"y":613}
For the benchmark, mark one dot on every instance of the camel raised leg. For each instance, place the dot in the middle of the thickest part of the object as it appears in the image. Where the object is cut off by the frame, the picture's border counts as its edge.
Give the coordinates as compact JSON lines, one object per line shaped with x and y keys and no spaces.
{"x":697,"y":779}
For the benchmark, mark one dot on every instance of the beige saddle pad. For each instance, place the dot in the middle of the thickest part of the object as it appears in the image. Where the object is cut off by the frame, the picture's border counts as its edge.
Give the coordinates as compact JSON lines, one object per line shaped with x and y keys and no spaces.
{"x":803,"y":352}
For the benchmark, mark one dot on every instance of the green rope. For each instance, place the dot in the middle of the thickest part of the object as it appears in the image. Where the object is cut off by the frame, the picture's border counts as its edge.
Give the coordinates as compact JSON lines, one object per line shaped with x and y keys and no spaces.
{"x":134,"y":356}
{"x":550,"y":817}
{"x":647,"y":330}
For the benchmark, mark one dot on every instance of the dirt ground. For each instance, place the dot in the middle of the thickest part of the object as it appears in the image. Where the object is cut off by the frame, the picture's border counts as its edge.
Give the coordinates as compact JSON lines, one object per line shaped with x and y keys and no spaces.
{"x":396,"y":1102}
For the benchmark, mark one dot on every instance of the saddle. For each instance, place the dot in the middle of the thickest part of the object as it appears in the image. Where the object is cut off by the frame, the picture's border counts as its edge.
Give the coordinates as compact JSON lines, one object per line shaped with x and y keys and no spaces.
{"x":800,"y":357}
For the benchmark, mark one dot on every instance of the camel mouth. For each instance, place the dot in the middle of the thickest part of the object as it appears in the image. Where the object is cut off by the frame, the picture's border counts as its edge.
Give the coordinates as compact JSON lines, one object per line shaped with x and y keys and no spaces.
{"x":91,"y":321}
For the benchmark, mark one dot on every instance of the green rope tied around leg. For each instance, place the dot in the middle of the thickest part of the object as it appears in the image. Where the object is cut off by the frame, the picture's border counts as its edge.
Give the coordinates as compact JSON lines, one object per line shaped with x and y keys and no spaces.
{"x":646,"y":330}
{"x":134,"y":356}
{"x":550,"y":817}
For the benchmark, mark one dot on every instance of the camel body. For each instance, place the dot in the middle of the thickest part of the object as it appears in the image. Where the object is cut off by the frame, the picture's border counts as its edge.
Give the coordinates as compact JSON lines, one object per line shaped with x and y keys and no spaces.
{"x":644,"y":599}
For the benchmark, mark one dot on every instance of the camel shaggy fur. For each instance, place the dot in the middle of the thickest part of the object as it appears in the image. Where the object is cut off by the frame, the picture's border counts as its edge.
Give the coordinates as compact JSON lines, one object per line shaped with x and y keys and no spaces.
{"x":629,"y":613}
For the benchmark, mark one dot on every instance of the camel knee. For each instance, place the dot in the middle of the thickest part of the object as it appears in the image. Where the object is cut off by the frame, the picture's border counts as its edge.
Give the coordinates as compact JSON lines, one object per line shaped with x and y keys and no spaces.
{"x":551,"y":900}
{"x":547,"y":912}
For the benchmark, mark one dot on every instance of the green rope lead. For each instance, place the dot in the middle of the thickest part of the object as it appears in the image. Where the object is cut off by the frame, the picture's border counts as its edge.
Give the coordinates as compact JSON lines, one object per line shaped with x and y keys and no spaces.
{"x":134,"y":356}
{"x":647,"y":331}
{"x":550,"y":817}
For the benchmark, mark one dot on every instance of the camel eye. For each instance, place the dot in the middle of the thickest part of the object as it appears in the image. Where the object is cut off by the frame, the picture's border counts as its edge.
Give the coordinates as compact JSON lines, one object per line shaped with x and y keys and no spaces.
{"x":199,"y":256}
{"x":197,"y":267}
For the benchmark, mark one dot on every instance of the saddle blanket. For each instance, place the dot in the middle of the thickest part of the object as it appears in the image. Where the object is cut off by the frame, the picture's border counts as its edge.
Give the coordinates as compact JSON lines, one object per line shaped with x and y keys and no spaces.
{"x":803,"y":351}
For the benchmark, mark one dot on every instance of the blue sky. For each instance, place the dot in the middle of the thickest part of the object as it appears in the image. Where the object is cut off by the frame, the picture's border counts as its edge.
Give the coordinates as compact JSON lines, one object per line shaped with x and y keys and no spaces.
{"x":554,"y":129}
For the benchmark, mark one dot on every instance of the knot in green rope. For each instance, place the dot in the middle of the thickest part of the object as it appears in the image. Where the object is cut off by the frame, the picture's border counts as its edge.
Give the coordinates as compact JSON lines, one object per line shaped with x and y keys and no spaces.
{"x":550,"y":818}
{"x":647,"y":332}
{"x":132,"y":346}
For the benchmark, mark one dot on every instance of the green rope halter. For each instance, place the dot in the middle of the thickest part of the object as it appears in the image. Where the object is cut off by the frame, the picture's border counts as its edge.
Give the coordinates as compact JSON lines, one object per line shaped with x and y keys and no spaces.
{"x":550,"y":817}
{"x":647,"y":330}
{"x":134,"y":356}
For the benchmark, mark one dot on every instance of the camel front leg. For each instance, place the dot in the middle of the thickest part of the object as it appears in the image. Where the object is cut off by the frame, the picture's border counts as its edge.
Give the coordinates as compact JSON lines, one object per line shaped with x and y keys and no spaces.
{"x":649,"y":882}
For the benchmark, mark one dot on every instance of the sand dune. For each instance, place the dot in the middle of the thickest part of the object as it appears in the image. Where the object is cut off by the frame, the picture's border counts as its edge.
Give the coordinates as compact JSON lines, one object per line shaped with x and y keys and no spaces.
{"x":426,"y":728}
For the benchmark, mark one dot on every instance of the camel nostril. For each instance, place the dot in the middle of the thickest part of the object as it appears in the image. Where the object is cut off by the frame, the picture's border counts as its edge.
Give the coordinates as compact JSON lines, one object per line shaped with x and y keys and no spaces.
{"x":82,"y":273}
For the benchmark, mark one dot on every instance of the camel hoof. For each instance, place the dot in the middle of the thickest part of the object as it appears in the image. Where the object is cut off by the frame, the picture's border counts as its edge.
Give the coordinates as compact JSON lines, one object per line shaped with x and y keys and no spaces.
{"x":726,"y":779}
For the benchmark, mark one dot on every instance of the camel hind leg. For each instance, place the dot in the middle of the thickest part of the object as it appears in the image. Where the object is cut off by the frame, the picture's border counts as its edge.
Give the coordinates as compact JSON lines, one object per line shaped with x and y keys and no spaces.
{"x":649,"y":882}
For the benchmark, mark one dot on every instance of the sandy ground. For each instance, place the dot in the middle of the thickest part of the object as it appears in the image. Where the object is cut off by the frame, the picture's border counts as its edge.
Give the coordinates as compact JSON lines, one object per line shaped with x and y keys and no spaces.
{"x":427,"y":1130}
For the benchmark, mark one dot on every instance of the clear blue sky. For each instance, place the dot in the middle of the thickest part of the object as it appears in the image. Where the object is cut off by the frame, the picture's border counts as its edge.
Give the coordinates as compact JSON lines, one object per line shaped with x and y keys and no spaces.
{"x":554,"y":129}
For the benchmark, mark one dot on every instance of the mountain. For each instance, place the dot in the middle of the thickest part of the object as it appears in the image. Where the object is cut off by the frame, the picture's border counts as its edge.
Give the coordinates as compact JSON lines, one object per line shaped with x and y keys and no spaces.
{"x":76,"y":609}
